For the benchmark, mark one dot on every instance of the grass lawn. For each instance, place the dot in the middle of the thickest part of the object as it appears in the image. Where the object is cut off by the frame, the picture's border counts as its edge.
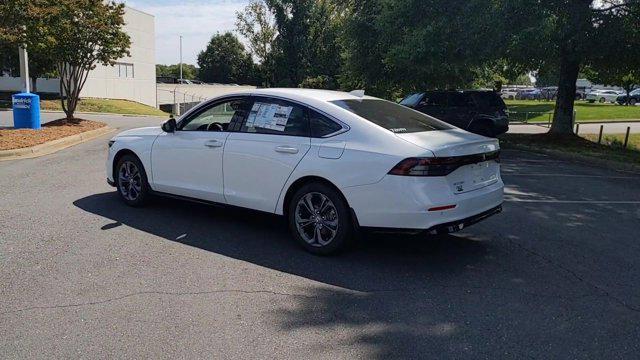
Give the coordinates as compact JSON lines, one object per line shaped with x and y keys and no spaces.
{"x":106,"y":106}
{"x":616,"y":140}
{"x":539,"y":111}
{"x":574,"y":145}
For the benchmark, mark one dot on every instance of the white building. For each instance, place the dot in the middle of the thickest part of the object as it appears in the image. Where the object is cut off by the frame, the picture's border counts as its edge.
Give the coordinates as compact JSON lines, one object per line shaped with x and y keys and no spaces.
{"x":132,"y":78}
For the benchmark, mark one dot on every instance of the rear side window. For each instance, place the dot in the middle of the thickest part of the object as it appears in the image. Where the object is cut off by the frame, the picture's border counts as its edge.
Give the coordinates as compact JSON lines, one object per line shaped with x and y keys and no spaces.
{"x":434,"y":99}
{"x":391,"y":116}
{"x":412,"y":100}
{"x":460,"y":100}
{"x":322,"y":125}
{"x":488,"y":98}
{"x":276,"y":117}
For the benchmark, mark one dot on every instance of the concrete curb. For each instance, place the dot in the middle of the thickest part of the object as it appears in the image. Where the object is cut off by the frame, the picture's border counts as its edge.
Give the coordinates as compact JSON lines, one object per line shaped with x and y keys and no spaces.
{"x":577,"y":158}
{"x":54,"y":145}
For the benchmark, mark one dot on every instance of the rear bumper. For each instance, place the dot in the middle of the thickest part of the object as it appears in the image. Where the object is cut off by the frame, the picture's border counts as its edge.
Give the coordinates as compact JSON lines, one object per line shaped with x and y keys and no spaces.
{"x":461,"y":224}
{"x":398,"y":202}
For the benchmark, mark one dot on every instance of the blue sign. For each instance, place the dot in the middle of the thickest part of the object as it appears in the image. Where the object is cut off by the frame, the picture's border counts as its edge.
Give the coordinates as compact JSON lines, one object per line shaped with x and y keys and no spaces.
{"x":26,"y":111}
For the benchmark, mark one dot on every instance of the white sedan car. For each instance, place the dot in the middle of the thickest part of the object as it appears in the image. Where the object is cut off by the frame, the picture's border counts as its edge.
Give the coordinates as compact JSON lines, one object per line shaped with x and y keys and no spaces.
{"x":603,"y":96}
{"x":331,"y":162}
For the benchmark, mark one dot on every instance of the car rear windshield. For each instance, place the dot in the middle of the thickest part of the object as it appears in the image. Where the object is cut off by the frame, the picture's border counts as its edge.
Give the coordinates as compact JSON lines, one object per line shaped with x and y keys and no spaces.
{"x":488,"y":99}
{"x":391,"y":116}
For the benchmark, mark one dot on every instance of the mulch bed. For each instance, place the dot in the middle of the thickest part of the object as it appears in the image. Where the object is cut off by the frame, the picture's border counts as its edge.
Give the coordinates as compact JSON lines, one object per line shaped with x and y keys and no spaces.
{"x":21,"y":138}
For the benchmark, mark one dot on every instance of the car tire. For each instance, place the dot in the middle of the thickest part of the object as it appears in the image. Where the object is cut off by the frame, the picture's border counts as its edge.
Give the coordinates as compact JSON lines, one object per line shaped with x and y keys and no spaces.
{"x":131,"y":181}
{"x":319,"y":219}
{"x":591,"y":101}
{"x":633,"y":102}
{"x":603,"y":100}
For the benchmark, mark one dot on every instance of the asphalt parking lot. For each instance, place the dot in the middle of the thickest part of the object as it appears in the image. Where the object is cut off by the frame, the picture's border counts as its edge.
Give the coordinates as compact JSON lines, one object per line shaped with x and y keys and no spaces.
{"x":556,"y":275}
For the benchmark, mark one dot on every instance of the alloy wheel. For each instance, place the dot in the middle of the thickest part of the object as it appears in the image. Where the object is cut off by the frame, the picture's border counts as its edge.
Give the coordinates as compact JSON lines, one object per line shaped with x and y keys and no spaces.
{"x":129,"y":180}
{"x":316,"y":219}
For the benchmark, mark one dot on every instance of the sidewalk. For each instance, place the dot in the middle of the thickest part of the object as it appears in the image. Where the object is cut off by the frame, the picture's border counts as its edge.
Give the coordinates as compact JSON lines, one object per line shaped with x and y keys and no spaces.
{"x":585,"y":128}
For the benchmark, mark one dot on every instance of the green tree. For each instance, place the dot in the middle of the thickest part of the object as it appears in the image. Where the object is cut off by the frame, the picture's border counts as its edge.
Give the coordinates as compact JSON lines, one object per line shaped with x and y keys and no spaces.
{"x":8,"y":58}
{"x":225,"y":60}
{"x":291,"y":50}
{"x":189,"y":72}
{"x":40,"y":64}
{"x":256,"y":24}
{"x":562,"y":37}
{"x":76,"y":34}
{"x":408,"y":45}
{"x":323,"y":44}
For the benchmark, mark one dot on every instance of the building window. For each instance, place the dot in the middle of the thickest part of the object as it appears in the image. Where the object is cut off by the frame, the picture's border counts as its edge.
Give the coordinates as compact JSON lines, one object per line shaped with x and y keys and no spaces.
{"x":124,"y":70}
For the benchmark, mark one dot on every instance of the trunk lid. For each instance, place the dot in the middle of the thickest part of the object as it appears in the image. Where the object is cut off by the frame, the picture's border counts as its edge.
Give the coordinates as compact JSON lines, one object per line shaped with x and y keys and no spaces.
{"x":459,"y":143}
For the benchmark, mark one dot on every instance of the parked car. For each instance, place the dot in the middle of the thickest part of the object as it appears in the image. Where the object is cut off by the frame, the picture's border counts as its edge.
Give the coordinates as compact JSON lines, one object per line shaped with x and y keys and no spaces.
{"x":602,"y":96}
{"x":330,"y":162}
{"x":508,"y":93}
{"x":634,"y":98}
{"x":479,"y":112}
{"x":549,"y":93}
{"x":528,"y":94}
{"x":166,"y":80}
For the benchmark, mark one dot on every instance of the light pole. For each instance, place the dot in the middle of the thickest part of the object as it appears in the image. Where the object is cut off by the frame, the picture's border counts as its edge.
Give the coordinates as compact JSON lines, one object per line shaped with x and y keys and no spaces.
{"x":24,"y":69}
{"x":181,"y":59}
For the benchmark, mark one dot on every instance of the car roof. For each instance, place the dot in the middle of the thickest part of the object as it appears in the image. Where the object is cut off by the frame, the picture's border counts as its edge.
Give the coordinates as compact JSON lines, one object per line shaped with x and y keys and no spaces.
{"x":303,"y":95}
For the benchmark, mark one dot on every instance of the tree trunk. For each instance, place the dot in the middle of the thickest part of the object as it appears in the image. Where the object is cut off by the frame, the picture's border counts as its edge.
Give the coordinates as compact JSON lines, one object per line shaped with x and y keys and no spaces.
{"x":563,"y":114}
{"x":627,"y":90}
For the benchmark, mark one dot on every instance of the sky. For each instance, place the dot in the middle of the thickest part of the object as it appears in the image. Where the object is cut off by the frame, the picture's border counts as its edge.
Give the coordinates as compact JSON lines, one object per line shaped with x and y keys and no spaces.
{"x":196,"y":21}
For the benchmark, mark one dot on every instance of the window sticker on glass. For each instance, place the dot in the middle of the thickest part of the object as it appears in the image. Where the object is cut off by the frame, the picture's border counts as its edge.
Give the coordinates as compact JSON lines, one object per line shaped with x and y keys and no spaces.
{"x":269,"y":116}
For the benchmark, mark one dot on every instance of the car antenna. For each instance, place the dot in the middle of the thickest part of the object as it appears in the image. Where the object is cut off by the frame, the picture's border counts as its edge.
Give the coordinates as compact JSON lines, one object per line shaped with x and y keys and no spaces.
{"x":358,"y":93}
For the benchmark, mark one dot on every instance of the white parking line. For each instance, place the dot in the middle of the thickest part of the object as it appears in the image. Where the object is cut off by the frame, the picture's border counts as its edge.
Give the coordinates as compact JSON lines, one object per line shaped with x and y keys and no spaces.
{"x":573,"y":175}
{"x":595,"y":202}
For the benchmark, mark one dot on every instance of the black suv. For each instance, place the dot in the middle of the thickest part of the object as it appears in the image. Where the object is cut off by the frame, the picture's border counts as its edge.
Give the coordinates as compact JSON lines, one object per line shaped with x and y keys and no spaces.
{"x":634,"y":98}
{"x":480,"y":112}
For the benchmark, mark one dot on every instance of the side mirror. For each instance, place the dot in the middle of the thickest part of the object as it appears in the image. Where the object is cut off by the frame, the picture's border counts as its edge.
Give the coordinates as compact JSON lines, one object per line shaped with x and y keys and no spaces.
{"x":169,"y":126}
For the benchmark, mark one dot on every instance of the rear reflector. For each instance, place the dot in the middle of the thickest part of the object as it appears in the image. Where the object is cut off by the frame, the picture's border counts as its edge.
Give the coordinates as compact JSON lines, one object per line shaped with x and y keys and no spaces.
{"x":440,"y":166}
{"x":440,"y":208}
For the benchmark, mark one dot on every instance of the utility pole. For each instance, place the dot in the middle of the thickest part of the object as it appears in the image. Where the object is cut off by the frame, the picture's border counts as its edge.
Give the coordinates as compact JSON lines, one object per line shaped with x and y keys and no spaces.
{"x":24,"y":69}
{"x":180,"y":58}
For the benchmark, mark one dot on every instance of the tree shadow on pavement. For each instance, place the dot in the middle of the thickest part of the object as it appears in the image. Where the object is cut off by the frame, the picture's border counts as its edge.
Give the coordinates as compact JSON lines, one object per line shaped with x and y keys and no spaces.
{"x":458,"y":296}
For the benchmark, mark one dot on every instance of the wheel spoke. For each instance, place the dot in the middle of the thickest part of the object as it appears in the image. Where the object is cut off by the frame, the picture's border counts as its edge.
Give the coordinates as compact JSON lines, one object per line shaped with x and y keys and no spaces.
{"x":323,"y":203}
{"x":331,"y":224}
{"x":309,"y":204}
{"x":133,"y":193}
{"x":302,"y":221}
{"x":317,"y":236}
{"x":332,"y":231}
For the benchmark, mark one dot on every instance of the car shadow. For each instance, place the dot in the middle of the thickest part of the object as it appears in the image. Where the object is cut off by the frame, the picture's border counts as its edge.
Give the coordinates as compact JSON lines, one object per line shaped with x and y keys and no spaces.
{"x":263,"y":239}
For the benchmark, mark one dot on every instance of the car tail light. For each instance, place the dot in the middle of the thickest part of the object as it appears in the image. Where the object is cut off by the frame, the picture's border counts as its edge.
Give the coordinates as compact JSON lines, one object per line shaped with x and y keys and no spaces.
{"x":439,"y":166}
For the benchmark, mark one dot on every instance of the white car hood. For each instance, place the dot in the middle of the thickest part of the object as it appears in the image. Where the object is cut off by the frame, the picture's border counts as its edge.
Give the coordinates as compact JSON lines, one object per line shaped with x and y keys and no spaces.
{"x":454,"y":142}
{"x":144,"y":131}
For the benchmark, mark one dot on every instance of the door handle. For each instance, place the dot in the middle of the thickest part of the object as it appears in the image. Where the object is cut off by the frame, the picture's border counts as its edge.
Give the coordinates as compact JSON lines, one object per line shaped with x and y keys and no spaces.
{"x":287,"y":149}
{"x":213,"y":143}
